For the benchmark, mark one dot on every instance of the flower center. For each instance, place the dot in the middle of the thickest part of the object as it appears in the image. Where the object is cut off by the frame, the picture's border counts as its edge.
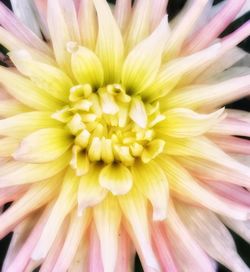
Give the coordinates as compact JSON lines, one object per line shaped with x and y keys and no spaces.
{"x":109,"y":126}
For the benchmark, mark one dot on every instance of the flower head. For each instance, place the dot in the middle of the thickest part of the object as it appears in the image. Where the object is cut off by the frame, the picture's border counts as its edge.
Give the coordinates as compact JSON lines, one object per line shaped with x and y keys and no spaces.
{"x":115,"y":139}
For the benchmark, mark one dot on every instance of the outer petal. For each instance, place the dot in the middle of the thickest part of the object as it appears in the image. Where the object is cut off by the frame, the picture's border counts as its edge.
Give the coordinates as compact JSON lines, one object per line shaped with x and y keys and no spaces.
{"x":10,"y":107}
{"x":8,"y":146}
{"x":122,"y":13}
{"x":109,"y":46}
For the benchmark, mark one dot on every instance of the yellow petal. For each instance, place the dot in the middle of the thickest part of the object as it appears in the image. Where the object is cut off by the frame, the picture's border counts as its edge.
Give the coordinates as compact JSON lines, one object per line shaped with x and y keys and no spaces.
{"x":22,"y":124}
{"x":152,"y":182}
{"x":43,"y":145}
{"x":7,"y":146}
{"x":49,"y":78}
{"x":152,"y":150}
{"x":138,"y":112}
{"x":107,"y":216}
{"x":116,"y":178}
{"x":109,"y":45}
{"x":14,"y":173}
{"x":10,"y":107}
{"x":143,"y":62}
{"x":26,"y":91}
{"x":90,"y":193}
{"x":79,"y":161}
{"x":182,"y":122}
{"x":86,"y":66}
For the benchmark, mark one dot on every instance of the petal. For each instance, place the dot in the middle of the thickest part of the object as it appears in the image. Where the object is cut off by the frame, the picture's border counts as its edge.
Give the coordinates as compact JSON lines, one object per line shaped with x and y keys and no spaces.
{"x":86,"y":67}
{"x":27,"y":92}
{"x":122,"y":12}
{"x":22,"y":124}
{"x":151,"y":181}
{"x":43,"y":145}
{"x":143,"y":62}
{"x":63,"y":205}
{"x":185,"y":186}
{"x":183,"y":122}
{"x":107,"y":216}
{"x":10,"y":107}
{"x":12,"y":193}
{"x":134,"y":207}
{"x":72,"y":241}
{"x":87,"y":17}
{"x":14,"y":173}
{"x":90,"y":193}
{"x":188,"y":255}
{"x":212,"y":236}
{"x":46,"y":77}
{"x":158,"y":11}
{"x":62,"y":15}
{"x":139,"y":26}
{"x":109,"y":45}
{"x":209,"y":96}
{"x":8,"y":146}
{"x":116,"y":178}
{"x":37,"y":196}
{"x":138,"y":112}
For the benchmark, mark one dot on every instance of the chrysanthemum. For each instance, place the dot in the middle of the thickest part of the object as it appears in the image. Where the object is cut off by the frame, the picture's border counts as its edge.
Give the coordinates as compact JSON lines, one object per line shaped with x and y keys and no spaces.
{"x":114,"y":140}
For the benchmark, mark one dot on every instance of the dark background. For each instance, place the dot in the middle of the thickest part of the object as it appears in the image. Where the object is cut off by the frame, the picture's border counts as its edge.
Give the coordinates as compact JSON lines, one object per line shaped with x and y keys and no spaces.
{"x":173,"y":8}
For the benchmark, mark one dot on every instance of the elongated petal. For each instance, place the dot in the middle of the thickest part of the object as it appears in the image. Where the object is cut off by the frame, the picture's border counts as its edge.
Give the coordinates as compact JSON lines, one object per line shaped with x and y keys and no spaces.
{"x":183,"y":122}
{"x":14,"y":173}
{"x":87,"y":17}
{"x":75,"y":232}
{"x":184,"y":185}
{"x":22,"y":124}
{"x":122,"y":13}
{"x":86,"y":67}
{"x":10,"y":107}
{"x":43,"y":146}
{"x":158,"y":11}
{"x":188,"y":255}
{"x":140,"y":23}
{"x":211,"y":234}
{"x":62,"y":15}
{"x":27,"y":92}
{"x":107,"y":216}
{"x":152,"y":182}
{"x":143,"y":62}
{"x":8,"y":146}
{"x":90,"y":193}
{"x":48,"y":78}
{"x":116,"y":178}
{"x":38,"y":195}
{"x":209,"y":96}
{"x":12,"y":193}
{"x":134,"y":207}
{"x":64,"y":204}
{"x":109,"y":46}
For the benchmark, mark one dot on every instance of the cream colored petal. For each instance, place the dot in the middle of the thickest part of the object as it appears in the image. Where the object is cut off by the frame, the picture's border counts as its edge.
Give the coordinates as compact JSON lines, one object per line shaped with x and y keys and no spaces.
{"x":63,"y":205}
{"x":10,"y":107}
{"x":122,"y":12}
{"x":151,"y":181}
{"x":152,"y":150}
{"x":134,"y":207}
{"x":63,"y":28}
{"x":26,"y":91}
{"x":183,"y":122}
{"x":90,"y":193}
{"x":43,"y":145}
{"x":72,"y":241}
{"x":139,"y":26}
{"x":22,"y":124}
{"x":7,"y":146}
{"x":138,"y":112}
{"x":86,"y":67}
{"x":185,"y":186}
{"x":209,"y":96}
{"x":15,"y":173}
{"x":49,"y":78}
{"x":143,"y":62}
{"x":159,"y":9}
{"x":211,"y":234}
{"x":107,"y":217}
{"x":109,"y":45}
{"x":37,"y":196}
{"x":88,"y":23}
{"x":187,"y":253}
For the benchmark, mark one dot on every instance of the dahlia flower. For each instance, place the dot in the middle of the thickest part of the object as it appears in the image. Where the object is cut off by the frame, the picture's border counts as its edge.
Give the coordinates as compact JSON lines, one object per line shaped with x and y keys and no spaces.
{"x":115,"y":139}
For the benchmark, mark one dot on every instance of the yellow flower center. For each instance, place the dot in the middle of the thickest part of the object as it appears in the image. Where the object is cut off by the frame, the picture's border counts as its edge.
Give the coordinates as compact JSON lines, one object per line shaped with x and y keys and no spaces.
{"x":110,"y":126}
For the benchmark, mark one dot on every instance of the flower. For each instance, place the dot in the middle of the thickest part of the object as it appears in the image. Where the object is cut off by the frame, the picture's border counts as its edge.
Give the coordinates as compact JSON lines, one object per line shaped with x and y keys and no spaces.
{"x":115,"y":139}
